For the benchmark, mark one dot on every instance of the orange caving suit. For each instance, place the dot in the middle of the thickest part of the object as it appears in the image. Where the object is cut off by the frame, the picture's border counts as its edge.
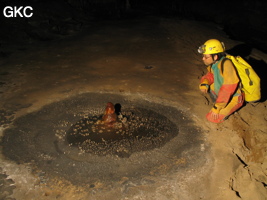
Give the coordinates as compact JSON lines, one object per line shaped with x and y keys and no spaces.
{"x":223,"y":83}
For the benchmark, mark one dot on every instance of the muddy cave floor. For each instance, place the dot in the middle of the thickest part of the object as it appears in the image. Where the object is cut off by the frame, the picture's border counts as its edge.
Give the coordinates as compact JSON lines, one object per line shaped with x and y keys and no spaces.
{"x":151,"y":68}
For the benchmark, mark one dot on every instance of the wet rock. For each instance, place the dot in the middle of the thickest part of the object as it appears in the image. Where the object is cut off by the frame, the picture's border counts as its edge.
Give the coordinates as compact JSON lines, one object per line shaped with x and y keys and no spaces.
{"x":44,"y":139}
{"x":143,"y":130}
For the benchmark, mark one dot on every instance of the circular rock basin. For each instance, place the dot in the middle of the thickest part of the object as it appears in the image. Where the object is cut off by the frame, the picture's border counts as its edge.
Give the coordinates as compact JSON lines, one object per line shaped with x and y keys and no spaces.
{"x":64,"y":139}
{"x":137,"y":129}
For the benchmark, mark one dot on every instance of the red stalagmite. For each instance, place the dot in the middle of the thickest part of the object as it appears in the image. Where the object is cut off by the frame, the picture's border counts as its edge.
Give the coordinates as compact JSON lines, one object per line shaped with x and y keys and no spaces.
{"x":109,"y":116}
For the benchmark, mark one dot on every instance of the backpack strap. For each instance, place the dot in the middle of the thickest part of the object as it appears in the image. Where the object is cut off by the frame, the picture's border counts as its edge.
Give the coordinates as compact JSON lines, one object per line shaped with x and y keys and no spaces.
{"x":222,"y":68}
{"x":222,"y":62}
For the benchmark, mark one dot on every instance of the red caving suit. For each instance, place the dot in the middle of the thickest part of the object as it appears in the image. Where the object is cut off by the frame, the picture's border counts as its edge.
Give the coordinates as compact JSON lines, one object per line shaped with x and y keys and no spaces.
{"x":224,"y":84}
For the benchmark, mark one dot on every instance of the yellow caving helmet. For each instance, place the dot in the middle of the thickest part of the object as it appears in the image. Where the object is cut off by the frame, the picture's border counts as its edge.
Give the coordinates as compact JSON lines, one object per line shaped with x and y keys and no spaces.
{"x":212,"y":46}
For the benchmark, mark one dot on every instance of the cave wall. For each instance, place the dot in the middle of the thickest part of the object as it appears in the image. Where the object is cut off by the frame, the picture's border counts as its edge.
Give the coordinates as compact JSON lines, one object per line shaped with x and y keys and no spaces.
{"x":242,"y":20}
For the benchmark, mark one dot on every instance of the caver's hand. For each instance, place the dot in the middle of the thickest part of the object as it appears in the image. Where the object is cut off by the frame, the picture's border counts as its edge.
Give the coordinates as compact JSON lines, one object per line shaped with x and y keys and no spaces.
{"x":214,"y":116}
{"x":204,"y":88}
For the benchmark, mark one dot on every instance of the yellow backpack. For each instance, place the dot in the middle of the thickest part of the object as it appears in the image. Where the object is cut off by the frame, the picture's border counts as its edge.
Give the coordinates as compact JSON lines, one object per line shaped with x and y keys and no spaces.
{"x":250,"y":81}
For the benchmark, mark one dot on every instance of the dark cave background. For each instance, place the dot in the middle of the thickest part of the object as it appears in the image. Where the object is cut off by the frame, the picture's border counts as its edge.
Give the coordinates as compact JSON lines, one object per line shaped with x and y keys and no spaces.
{"x":244,"y":21}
